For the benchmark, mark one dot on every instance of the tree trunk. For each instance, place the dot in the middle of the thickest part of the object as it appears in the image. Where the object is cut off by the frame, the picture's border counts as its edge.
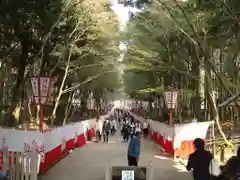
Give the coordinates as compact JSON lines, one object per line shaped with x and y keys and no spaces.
{"x":61,"y":87}
{"x":211,"y":98}
{"x":67,"y":109}
{"x":30,"y":110}
{"x":18,"y":88}
{"x":216,"y":114}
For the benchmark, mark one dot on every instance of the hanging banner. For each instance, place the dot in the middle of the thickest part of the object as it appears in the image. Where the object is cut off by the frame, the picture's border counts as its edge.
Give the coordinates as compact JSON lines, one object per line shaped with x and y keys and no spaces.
{"x":171,"y":99}
{"x":41,"y":89}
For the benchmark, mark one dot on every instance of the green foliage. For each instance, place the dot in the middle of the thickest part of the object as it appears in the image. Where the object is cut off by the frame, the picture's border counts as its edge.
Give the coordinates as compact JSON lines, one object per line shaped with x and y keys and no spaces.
{"x":51,"y":37}
{"x":226,"y":146}
{"x":171,"y":40}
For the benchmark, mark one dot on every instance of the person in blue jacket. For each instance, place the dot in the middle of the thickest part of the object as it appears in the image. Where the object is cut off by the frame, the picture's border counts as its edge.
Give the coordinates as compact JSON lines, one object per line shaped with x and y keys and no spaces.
{"x":134,"y":150}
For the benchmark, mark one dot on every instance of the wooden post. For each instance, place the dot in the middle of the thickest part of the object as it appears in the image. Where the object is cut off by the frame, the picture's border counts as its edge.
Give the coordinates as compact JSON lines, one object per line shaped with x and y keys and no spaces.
{"x":22,"y":166}
{"x":222,"y":154}
{"x":28,"y":167}
{"x":213,"y":140}
{"x":34,"y":154}
{"x":41,"y":117}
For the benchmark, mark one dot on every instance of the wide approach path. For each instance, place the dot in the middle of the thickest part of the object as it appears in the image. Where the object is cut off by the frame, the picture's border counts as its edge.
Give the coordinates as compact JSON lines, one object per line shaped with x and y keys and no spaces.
{"x":89,"y":162}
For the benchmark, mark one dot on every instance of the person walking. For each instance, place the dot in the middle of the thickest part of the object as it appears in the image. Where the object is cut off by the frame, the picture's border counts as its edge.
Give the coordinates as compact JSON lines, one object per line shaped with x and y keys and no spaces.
{"x":199,"y":161}
{"x":134,"y":151}
{"x":106,"y":130}
{"x":99,"y":128}
{"x":145,"y":129}
{"x":121,"y":126}
{"x":126,"y":131}
{"x":113,"y":126}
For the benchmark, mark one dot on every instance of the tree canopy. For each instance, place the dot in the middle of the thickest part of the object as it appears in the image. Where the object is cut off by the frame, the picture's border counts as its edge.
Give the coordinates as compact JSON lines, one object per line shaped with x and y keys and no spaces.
{"x":75,"y":41}
{"x":189,"y":46}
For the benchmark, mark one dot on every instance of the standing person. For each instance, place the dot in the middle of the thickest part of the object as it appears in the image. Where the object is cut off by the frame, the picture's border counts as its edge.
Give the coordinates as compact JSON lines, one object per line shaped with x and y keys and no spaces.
{"x":231,"y":170}
{"x":145,"y":129}
{"x":99,"y":128}
{"x":123,"y":121}
{"x":121,"y":126}
{"x":199,"y":161}
{"x":134,"y":151}
{"x":106,"y":130}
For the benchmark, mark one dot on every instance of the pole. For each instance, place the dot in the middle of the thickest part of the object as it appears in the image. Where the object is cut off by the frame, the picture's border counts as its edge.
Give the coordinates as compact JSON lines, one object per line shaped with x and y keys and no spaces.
{"x":170,"y":111}
{"x":90,"y":112}
{"x":41,"y":117}
{"x":171,"y":124}
{"x":213,"y":140}
{"x":170,"y":117}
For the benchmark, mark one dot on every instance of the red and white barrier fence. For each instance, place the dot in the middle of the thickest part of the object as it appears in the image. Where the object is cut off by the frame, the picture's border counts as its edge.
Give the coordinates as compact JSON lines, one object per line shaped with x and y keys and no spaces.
{"x":176,"y":140}
{"x":55,"y":142}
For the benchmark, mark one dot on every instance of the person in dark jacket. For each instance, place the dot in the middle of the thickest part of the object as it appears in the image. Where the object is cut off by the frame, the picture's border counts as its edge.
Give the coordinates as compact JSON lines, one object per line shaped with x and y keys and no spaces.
{"x":134,"y":151}
{"x":199,"y":161}
{"x":126,"y":131}
{"x":238,"y":152}
{"x":106,"y":130}
{"x":231,"y":170}
{"x":132,"y":130}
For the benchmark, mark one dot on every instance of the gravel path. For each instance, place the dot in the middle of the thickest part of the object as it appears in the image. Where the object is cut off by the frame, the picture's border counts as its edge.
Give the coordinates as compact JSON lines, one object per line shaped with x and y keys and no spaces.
{"x":90,"y":161}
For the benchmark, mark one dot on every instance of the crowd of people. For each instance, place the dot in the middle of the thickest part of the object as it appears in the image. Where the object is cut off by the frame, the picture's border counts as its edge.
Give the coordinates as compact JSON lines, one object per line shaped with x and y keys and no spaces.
{"x":201,"y":162}
{"x":130,"y":130}
{"x":123,"y":122}
{"x":105,"y":128}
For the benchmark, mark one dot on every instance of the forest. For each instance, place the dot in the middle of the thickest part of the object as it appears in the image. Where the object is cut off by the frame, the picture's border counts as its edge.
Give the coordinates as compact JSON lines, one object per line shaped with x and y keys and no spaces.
{"x":190,"y":47}
{"x":74,"y":41}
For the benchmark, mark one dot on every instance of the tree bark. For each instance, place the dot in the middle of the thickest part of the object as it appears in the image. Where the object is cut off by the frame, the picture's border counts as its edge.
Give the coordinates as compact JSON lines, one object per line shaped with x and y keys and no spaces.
{"x":61,"y":87}
{"x":18,"y":88}
{"x":67,"y":109}
{"x":212,"y":101}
